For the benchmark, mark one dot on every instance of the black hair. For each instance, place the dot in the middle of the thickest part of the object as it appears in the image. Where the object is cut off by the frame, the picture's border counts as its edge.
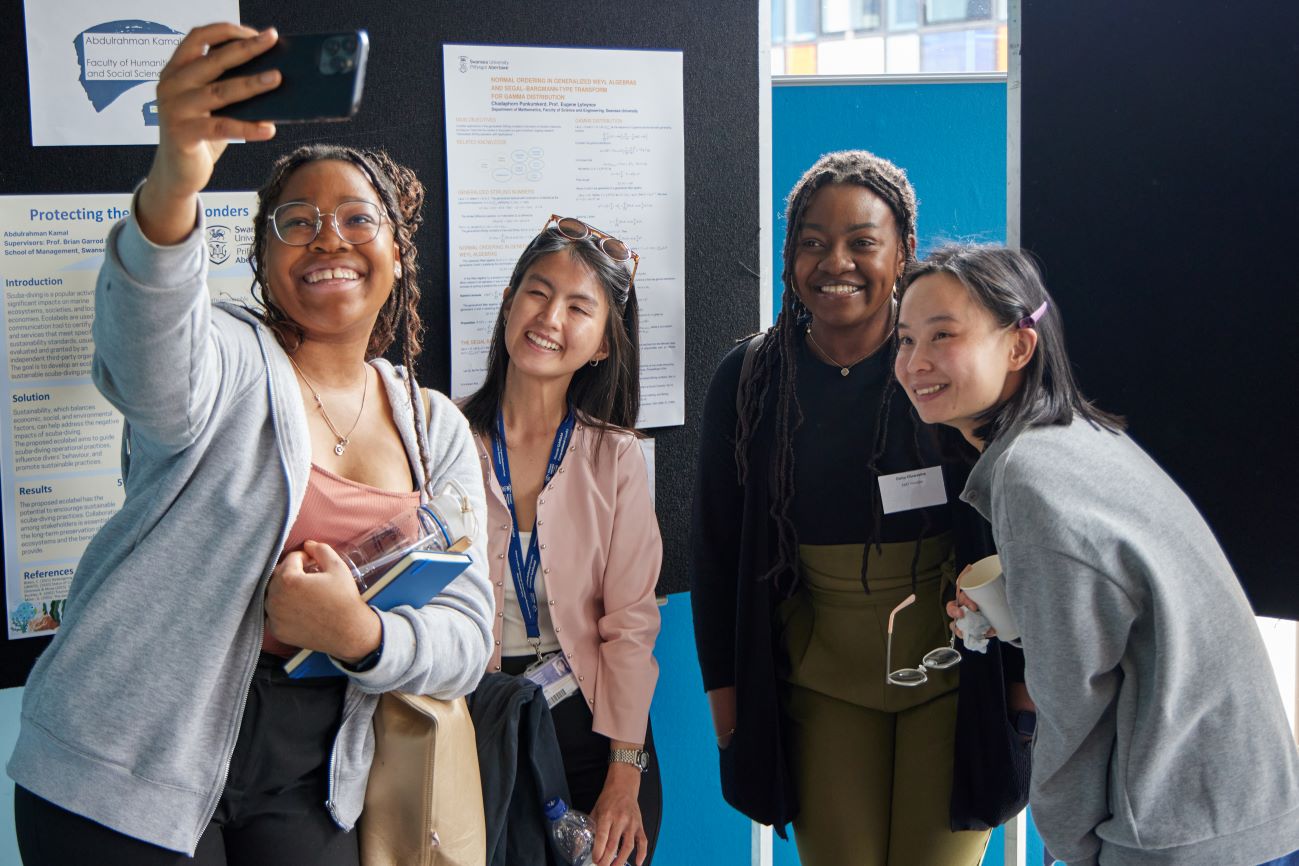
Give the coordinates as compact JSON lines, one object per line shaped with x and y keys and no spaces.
{"x":1008,"y":284}
{"x":779,"y":351}
{"x":402,"y":197}
{"x":605,"y":396}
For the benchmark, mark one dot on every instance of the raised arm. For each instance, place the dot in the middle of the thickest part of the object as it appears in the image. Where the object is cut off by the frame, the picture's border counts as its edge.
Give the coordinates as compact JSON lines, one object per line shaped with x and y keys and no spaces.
{"x":190,"y":138}
{"x":155,"y":357}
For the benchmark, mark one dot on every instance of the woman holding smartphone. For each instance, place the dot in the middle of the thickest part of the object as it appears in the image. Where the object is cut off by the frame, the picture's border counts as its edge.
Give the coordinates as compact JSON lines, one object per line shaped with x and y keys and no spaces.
{"x":573,"y":542}
{"x":1161,"y":737}
{"x":159,"y":726}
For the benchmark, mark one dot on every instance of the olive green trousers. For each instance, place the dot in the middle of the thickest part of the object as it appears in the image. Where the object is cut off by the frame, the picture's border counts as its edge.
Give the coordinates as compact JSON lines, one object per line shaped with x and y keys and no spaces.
{"x":872,"y":761}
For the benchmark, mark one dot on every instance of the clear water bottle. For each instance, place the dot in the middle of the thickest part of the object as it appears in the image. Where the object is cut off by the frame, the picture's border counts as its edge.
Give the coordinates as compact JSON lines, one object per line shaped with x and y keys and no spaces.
{"x":573,"y":832}
{"x":435,"y":525}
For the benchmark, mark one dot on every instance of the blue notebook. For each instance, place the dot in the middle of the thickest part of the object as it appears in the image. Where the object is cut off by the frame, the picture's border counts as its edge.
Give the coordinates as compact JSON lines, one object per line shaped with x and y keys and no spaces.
{"x":415,"y":579}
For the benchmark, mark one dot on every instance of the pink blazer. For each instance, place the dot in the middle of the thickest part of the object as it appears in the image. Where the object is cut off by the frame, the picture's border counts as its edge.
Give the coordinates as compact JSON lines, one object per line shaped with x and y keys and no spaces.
{"x":600,"y":557}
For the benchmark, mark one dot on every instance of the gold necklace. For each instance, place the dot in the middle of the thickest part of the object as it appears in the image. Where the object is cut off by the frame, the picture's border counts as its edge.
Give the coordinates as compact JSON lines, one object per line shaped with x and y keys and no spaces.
{"x":844,"y":370}
{"x":343,"y":441}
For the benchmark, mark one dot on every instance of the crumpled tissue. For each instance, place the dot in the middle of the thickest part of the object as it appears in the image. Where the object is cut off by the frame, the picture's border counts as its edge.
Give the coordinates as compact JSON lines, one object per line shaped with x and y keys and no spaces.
{"x":974,"y":625}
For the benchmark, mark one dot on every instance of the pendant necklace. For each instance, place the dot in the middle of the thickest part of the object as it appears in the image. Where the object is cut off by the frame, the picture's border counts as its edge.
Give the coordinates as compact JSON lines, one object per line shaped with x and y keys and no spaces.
{"x":343,"y":441}
{"x":845,"y":369}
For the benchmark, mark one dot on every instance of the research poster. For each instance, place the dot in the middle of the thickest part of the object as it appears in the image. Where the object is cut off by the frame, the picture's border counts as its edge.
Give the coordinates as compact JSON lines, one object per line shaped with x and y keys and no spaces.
{"x":60,"y":441}
{"x":593,"y":134}
{"x":93,"y":65}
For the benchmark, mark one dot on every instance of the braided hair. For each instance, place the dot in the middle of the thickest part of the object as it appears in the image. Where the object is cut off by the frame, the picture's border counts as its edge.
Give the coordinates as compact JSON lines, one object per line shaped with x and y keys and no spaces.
{"x":779,"y":353}
{"x":402,"y":197}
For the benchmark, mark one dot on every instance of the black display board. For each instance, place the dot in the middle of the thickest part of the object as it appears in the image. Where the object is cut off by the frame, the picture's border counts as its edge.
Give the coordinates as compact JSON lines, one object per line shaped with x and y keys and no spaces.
{"x":1160,"y":187}
{"x":403,"y":112}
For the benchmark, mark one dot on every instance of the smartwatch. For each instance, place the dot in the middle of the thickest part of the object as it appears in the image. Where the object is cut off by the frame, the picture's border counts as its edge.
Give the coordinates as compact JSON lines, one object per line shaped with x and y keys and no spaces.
{"x":638,"y":758}
{"x":368,"y":662}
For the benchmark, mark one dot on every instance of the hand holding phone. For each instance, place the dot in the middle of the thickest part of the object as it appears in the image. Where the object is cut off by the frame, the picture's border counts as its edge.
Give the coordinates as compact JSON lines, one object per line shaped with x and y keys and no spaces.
{"x":191,"y":138}
{"x":323,"y":75}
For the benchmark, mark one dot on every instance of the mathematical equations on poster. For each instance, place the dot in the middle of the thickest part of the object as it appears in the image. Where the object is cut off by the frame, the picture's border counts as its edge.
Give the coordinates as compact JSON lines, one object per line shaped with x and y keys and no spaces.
{"x":594,"y":134}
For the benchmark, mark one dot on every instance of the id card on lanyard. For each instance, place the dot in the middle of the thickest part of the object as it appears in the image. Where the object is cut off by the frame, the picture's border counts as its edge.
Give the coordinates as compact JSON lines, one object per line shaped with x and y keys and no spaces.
{"x":555,"y":677}
{"x":524,"y":569}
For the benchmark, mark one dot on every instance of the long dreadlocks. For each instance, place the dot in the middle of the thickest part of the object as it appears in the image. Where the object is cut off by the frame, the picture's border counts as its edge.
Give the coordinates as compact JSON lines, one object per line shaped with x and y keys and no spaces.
{"x":779,"y":351}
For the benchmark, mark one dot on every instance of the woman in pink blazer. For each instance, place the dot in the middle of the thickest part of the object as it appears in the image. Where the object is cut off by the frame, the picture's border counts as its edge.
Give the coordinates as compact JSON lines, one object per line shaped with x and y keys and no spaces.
{"x":573,"y":542}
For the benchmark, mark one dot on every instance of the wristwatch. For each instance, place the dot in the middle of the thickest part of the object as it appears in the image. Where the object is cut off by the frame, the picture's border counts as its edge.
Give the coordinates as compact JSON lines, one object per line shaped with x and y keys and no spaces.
{"x":1025,"y":723}
{"x":636,"y":757}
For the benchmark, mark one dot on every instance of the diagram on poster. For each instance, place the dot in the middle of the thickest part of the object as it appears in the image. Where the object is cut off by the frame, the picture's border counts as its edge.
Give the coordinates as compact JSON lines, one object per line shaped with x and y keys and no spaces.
{"x":593,"y":134}
{"x":93,"y":65}
{"x":60,"y":469}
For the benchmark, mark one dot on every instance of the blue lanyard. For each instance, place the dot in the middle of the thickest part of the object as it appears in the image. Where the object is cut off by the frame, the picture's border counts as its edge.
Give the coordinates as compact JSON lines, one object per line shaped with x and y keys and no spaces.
{"x":525,"y":570}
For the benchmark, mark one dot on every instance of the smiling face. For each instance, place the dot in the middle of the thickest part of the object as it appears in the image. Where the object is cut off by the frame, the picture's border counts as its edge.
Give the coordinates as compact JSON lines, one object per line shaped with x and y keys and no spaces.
{"x":331,"y":288}
{"x":954,"y":360}
{"x":555,"y":320}
{"x":847,"y":257}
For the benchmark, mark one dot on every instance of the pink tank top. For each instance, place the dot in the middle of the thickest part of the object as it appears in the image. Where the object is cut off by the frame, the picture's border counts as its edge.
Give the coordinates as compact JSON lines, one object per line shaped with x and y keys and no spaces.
{"x":334,"y":510}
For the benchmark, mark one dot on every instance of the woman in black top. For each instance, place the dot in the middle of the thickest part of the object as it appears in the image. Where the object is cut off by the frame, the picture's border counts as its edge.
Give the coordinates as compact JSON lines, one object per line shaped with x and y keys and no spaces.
{"x":809,"y":457}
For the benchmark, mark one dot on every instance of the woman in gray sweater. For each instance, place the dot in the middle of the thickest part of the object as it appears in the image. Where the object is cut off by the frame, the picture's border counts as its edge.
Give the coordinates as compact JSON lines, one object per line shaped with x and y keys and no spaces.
{"x":160,"y":726}
{"x":1160,"y":739}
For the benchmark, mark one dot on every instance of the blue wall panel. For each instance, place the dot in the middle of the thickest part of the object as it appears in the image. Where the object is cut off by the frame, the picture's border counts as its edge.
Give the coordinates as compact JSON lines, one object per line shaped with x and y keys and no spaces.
{"x":950,"y":138}
{"x":698,"y":826}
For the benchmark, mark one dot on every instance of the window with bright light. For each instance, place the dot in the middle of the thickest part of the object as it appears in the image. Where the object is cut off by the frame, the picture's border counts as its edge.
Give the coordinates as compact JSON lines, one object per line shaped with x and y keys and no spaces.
{"x":888,"y":37}
{"x":840,"y":16}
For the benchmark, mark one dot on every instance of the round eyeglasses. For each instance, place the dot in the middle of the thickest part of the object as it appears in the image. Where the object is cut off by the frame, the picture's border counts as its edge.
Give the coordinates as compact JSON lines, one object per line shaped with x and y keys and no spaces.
{"x":575,"y":230}
{"x":939,"y":659}
{"x":298,"y":223}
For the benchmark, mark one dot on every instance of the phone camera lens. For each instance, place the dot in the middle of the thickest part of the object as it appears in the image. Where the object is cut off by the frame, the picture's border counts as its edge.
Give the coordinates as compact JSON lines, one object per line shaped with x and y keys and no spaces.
{"x":350,"y":44}
{"x":331,"y":46}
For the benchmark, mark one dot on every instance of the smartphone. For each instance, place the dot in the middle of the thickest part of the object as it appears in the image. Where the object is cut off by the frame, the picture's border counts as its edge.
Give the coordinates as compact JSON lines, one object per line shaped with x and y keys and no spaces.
{"x":322,"y":75}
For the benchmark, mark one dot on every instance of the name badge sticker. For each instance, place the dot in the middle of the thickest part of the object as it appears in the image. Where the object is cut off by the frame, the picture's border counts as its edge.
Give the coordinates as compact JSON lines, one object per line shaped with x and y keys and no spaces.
{"x":915,"y":488}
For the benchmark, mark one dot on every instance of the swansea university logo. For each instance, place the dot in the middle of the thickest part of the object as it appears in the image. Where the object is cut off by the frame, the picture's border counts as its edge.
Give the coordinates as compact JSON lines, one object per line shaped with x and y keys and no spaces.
{"x":218,"y":244}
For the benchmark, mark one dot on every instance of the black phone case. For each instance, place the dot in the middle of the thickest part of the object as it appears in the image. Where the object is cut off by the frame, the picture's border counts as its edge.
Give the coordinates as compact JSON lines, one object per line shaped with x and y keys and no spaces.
{"x":322,"y":75}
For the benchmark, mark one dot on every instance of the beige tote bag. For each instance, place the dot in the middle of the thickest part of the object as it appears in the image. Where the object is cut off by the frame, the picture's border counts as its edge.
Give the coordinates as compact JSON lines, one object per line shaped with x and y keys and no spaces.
{"x":424,"y":799}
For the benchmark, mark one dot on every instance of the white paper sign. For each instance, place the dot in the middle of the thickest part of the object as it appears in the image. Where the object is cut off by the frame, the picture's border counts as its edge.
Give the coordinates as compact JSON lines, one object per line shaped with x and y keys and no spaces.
{"x":60,"y":473}
{"x":92,"y":65}
{"x":587,"y":133}
{"x":917,"y":488}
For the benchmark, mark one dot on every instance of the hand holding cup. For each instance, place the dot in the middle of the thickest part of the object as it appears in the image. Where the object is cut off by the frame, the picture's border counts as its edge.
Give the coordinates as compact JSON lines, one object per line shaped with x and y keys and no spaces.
{"x":982,"y":587}
{"x":957,"y":608}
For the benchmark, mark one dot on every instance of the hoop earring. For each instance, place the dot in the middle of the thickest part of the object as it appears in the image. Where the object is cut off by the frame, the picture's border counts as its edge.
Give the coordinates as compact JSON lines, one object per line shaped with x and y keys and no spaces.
{"x":595,"y":363}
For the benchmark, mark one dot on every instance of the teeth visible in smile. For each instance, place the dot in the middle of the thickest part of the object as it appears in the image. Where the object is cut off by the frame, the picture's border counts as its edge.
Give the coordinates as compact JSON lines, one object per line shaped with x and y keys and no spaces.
{"x":542,"y":342}
{"x":839,"y":289}
{"x":932,"y":389}
{"x":331,"y":274}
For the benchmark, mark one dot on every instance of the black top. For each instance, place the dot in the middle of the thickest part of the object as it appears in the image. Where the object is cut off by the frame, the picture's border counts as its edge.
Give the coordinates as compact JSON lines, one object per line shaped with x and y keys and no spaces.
{"x":835,"y":490}
{"x":733,"y":544}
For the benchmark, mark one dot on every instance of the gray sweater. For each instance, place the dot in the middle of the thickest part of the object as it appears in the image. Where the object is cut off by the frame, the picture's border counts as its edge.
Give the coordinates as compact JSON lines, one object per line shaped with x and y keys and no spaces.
{"x":1161,"y":738}
{"x":130,"y":717}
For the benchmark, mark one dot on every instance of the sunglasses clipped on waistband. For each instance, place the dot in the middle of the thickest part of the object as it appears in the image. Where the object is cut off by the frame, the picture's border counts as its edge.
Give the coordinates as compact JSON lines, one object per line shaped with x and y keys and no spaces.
{"x":576,"y":230}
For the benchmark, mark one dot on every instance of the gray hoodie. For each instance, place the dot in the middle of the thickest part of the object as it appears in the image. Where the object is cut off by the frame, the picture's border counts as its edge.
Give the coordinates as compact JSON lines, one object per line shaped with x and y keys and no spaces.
{"x":1161,"y":737}
{"x":130,"y":717}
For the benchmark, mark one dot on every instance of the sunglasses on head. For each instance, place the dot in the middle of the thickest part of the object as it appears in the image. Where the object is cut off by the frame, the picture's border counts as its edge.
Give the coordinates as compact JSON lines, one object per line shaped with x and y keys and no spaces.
{"x":576,"y":230}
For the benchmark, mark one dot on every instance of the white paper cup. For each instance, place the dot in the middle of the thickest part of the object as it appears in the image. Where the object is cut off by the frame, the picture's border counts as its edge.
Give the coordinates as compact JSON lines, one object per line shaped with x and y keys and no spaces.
{"x":986,"y":586}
